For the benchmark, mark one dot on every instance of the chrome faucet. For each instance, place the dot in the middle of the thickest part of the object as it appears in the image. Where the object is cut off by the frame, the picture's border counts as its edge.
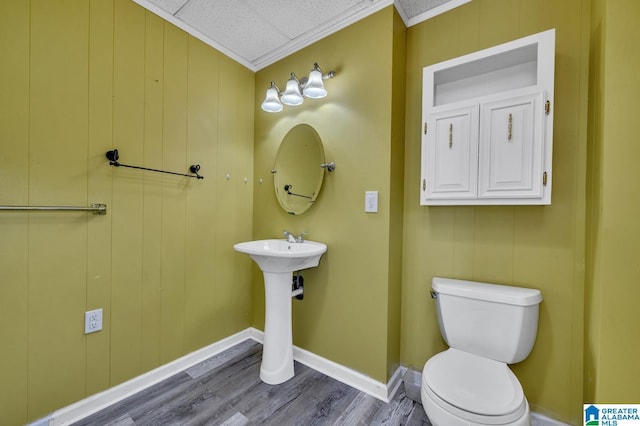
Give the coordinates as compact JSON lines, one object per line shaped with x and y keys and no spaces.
{"x":292,"y":238}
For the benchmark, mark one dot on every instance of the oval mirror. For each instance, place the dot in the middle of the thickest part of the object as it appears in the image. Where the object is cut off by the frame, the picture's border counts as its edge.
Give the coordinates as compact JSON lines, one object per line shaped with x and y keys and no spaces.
{"x":297,"y":172}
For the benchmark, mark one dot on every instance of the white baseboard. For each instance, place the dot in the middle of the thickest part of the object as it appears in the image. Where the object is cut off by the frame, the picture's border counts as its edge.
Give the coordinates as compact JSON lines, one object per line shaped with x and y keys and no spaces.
{"x":362,"y":382}
{"x":384,"y":392}
{"x":97,"y":402}
{"x":81,"y":409}
{"x":538,"y":419}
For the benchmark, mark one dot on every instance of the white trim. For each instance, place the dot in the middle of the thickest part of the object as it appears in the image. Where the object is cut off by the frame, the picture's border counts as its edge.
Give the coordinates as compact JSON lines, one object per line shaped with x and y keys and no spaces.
{"x":396,"y":380}
{"x":452,"y":4}
{"x":81,"y":409}
{"x":538,"y":419}
{"x":401,"y":12}
{"x":362,"y":382}
{"x":308,"y":38}
{"x":303,"y":40}
{"x":287,"y":49}
{"x":97,"y":402}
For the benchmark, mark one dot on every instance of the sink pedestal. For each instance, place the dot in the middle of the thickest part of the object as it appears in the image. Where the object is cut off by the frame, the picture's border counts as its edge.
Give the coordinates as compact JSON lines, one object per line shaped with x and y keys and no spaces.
{"x":278,"y":259}
{"x":277,"y":351}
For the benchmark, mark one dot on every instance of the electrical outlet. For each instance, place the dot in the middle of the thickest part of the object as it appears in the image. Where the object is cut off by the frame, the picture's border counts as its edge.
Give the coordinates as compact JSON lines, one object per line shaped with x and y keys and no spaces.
{"x":92,"y":321}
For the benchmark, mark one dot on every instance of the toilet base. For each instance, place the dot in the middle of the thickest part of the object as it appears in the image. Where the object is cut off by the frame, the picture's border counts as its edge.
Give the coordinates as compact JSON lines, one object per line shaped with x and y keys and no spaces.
{"x":438,"y":416}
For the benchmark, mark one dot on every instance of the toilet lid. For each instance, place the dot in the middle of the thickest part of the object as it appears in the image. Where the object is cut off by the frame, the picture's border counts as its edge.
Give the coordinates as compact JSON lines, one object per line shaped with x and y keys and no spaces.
{"x":473,"y":383}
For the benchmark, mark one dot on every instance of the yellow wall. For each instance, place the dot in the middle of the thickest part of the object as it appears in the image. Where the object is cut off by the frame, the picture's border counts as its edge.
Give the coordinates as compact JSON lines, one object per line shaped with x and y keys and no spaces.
{"x":396,"y":193}
{"x":612,"y":346}
{"x":79,"y":78}
{"x":534,"y":246}
{"x":593,"y":314}
{"x":350,"y":313}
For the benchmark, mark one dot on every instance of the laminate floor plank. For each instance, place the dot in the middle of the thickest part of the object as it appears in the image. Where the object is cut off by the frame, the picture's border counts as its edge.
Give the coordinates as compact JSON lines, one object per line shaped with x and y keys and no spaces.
{"x":210,"y":392}
{"x":226,"y":390}
{"x":418,"y":417}
{"x":122,"y":421}
{"x":321,"y":403}
{"x":238,"y":351}
{"x":236,"y":420}
{"x":265,"y":401}
{"x":396,"y":412}
{"x":360,"y":412}
{"x":154,"y":396}
{"x":247,"y":394}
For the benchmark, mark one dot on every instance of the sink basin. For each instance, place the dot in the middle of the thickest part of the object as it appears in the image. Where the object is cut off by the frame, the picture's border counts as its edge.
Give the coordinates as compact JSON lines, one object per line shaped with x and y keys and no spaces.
{"x":279,"y":256}
{"x":279,"y":259}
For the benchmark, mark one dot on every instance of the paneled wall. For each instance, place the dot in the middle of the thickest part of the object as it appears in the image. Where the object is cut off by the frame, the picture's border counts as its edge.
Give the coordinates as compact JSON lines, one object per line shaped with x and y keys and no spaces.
{"x":78,"y":78}
{"x":530,"y":246}
{"x":612,"y":371}
{"x":350,"y":313}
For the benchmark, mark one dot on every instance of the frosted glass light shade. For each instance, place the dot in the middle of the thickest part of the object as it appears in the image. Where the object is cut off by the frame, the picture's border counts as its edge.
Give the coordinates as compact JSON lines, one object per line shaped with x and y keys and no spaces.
{"x":314,"y":88}
{"x":271,"y":102}
{"x":291,"y":95}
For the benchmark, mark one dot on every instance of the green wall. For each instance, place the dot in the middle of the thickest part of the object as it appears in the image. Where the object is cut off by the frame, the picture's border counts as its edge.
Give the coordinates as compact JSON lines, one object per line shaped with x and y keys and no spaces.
{"x":532,"y":246}
{"x":351,"y":310}
{"x":79,"y":78}
{"x":612,"y":371}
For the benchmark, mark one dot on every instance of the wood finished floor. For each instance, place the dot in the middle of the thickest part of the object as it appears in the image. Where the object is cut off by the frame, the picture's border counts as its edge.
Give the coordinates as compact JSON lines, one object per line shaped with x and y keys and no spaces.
{"x":226,"y":390}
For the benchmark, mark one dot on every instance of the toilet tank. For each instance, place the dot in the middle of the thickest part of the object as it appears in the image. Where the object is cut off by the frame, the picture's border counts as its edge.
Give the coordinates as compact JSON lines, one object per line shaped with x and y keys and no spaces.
{"x":494,"y":321}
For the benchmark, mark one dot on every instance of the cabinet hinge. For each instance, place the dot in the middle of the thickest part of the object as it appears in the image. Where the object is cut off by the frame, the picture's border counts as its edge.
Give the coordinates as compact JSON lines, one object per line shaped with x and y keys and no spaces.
{"x":544,"y":179}
{"x":424,"y":184}
{"x":547,"y":107}
{"x":425,"y":127}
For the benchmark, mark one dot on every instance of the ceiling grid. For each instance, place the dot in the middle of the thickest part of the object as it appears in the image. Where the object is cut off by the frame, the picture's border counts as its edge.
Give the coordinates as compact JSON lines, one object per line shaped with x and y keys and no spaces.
{"x":257,"y":33}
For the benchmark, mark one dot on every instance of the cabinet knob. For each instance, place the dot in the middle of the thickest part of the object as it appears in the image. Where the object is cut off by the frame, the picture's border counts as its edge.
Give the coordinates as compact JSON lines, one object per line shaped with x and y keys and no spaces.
{"x":450,"y":135}
{"x":510,"y":127}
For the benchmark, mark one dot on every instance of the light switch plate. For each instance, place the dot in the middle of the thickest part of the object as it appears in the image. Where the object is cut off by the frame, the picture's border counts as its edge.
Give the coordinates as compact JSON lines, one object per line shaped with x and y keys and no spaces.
{"x":371,"y":202}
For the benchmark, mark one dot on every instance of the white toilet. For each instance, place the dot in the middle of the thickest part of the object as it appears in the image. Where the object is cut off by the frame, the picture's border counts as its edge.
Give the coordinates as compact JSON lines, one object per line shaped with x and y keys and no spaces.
{"x":486,"y":326}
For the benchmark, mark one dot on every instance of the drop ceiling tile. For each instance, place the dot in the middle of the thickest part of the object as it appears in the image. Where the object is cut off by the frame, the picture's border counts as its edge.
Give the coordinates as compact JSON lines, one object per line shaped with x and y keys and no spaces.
{"x":171,"y":6}
{"x":296,"y":17}
{"x":415,"y":11}
{"x":233,"y":25}
{"x":257,"y":33}
{"x":414,"y":8}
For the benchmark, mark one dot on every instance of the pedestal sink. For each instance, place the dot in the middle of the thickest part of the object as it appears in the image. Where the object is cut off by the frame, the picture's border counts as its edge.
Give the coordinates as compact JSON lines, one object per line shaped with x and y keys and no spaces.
{"x":278,"y":259}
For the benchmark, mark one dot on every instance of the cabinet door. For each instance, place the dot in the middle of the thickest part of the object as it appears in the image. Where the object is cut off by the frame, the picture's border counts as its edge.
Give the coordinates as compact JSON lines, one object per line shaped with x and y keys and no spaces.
{"x":450,"y":155}
{"x":511,"y":147}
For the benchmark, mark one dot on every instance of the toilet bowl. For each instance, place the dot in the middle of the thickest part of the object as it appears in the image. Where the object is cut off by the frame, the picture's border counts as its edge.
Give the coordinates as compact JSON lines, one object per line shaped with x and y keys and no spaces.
{"x":459,"y":388}
{"x":487,"y":326}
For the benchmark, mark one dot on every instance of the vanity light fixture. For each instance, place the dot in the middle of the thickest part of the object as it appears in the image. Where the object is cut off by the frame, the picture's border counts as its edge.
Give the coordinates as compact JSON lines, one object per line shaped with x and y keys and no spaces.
{"x":296,"y":90}
{"x":271,"y":101}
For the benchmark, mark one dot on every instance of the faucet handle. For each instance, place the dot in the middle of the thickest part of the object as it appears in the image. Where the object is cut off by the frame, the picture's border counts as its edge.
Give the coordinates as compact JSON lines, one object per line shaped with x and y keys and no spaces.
{"x":300,"y":238}
{"x":289,"y":236}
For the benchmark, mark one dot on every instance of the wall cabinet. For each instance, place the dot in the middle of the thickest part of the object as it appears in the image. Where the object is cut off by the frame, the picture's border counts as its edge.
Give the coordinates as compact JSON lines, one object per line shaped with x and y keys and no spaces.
{"x":488,"y":125}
